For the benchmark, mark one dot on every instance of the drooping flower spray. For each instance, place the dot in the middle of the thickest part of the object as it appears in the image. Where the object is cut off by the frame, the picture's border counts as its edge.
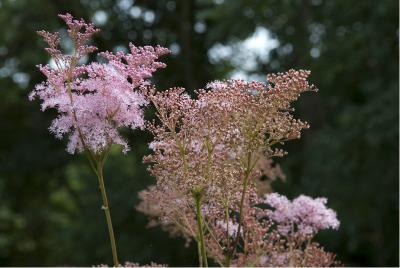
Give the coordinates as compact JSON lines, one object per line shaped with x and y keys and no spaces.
{"x":95,"y":100}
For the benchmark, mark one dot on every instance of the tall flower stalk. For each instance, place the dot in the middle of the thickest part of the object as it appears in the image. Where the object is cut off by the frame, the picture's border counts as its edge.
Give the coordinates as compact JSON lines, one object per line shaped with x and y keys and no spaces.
{"x":99,"y":163}
{"x":95,"y":100}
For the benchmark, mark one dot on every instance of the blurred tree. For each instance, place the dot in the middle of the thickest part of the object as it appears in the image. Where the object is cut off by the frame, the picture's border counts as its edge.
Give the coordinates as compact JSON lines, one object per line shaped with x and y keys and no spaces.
{"x":49,"y":210}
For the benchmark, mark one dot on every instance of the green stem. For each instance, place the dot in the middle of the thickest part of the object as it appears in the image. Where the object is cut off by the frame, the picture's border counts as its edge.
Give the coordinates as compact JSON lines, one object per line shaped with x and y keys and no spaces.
{"x":203,"y":255}
{"x":199,"y":252}
{"x":246,"y":181}
{"x":106,"y":209}
{"x":228,"y":257}
{"x":241,"y":212}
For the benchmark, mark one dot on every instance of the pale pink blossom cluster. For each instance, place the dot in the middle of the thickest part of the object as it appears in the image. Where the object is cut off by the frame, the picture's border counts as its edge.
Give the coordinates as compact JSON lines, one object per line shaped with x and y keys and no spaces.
{"x":303,"y":215}
{"x":94,"y":100}
{"x":214,"y":153}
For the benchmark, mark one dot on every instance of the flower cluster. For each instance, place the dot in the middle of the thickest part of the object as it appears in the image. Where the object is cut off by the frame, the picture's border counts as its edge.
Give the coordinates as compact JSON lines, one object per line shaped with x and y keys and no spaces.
{"x":216,"y":141}
{"x":262,"y":243}
{"x":94,"y":100}
{"x":303,"y":215}
{"x":213,"y":150}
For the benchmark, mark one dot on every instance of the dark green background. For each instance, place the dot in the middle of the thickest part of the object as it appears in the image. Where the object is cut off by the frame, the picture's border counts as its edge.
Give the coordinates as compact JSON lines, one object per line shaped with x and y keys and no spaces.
{"x":49,"y":201}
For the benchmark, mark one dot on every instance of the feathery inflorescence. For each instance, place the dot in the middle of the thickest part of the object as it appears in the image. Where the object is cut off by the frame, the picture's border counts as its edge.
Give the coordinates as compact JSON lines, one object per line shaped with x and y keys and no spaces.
{"x":218,"y":145}
{"x":94,"y":100}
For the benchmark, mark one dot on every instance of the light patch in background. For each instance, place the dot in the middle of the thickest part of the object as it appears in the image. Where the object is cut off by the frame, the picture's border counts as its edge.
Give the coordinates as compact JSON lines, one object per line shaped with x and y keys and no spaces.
{"x":100,"y":18}
{"x":54,"y":66}
{"x":124,"y":5}
{"x":245,"y":55}
{"x":62,"y":64}
{"x":246,"y":76}
{"x":149,"y":16}
{"x":261,"y":43}
{"x":135,"y":12}
{"x":22,"y":79}
{"x":9,"y":67}
{"x":200,"y":27}
{"x":120,"y":48}
{"x":315,"y":52}
{"x":218,"y":2}
{"x":175,"y":48}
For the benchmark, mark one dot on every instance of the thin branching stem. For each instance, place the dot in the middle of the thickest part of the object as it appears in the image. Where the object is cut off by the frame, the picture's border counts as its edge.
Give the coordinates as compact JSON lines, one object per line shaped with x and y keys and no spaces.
{"x":197,"y":194}
{"x":243,"y":195}
{"x":107,"y":212}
